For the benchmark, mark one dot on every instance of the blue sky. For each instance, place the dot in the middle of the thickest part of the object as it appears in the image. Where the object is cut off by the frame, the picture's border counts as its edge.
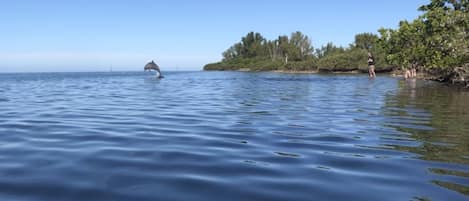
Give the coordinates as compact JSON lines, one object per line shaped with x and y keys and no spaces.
{"x":92,"y":35}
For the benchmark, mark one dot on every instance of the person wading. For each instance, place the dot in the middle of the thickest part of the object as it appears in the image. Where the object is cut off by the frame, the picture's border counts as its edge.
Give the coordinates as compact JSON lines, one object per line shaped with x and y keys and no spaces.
{"x":371,"y":65}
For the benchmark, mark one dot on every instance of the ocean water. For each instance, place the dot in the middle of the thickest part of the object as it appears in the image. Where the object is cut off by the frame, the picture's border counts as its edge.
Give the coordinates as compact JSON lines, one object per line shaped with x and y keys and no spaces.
{"x":231,"y":136}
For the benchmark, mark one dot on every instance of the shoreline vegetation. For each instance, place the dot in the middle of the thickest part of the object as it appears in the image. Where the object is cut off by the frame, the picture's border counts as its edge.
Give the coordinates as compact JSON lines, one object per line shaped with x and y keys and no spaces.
{"x":437,"y":42}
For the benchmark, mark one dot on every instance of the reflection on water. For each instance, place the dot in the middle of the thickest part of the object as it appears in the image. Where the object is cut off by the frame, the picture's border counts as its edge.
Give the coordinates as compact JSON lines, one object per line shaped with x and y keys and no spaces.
{"x":437,"y":117}
{"x":231,"y":136}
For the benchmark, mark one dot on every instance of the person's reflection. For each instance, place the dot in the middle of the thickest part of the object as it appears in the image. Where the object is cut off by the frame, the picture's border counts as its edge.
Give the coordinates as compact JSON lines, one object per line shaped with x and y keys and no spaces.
{"x":412,"y":83}
{"x":409,"y":86}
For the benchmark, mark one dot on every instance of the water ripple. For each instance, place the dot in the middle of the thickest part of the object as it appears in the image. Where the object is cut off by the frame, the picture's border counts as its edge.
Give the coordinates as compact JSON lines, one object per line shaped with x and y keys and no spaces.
{"x":230,"y":136}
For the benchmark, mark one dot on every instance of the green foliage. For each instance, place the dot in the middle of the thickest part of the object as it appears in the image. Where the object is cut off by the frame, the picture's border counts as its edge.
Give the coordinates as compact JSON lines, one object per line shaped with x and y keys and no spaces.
{"x":295,"y":53}
{"x":328,"y":49}
{"x":460,"y":5}
{"x":297,"y":48}
{"x":305,"y":65}
{"x":256,"y":53}
{"x":251,"y":46}
{"x":365,"y":41}
{"x":332,"y":58}
{"x":347,"y":60}
{"x":438,"y":39}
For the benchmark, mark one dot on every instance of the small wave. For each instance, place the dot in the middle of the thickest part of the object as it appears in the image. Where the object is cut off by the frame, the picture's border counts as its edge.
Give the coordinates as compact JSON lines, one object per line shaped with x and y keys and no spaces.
{"x":246,"y":136}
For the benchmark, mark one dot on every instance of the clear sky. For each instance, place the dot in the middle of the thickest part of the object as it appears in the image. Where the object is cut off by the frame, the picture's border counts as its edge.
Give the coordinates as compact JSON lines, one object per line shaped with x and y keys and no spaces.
{"x":93,"y":35}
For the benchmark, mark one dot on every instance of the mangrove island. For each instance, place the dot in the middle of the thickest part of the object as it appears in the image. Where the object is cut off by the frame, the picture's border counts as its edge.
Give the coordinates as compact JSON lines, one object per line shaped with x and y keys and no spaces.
{"x":437,"y":42}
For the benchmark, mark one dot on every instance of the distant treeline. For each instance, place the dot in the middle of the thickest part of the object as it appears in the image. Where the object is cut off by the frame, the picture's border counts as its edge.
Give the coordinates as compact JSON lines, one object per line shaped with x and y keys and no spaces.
{"x":436,"y":40}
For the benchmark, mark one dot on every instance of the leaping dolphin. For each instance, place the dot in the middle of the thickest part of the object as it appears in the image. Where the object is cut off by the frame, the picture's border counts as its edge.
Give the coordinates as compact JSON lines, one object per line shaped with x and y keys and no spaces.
{"x":153,"y":66}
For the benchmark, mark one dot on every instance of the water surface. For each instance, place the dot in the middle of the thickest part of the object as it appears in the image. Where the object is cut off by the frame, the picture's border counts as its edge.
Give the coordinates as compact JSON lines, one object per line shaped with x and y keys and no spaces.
{"x":231,"y":136}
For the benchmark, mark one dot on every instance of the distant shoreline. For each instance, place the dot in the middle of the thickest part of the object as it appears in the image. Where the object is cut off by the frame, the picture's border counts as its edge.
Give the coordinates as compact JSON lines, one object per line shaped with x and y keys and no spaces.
{"x":454,"y":78}
{"x":318,"y":71}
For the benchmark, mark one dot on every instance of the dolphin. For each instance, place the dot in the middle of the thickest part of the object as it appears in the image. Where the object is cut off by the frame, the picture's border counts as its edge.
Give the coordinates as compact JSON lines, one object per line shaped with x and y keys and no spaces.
{"x":153,"y":66}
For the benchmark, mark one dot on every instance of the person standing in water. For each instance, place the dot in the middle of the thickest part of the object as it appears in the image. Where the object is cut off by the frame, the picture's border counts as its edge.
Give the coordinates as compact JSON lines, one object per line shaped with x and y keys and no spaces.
{"x":407,"y":73}
{"x":371,"y":65}
{"x":413,"y":70}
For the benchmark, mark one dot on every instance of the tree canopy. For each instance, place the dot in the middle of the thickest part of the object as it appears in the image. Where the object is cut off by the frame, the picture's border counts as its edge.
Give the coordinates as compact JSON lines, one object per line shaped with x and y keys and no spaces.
{"x":437,"y":39}
{"x":296,"y":53}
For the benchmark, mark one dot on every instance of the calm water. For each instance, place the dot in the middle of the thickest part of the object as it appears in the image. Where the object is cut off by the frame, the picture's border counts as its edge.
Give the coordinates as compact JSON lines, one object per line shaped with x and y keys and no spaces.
{"x":231,"y":136}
